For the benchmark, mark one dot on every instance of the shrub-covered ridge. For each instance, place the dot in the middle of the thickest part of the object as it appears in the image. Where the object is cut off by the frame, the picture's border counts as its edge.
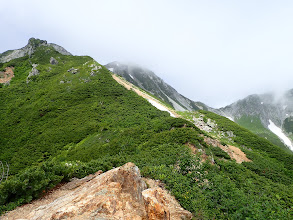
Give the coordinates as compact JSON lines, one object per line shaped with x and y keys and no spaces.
{"x":73,"y":119}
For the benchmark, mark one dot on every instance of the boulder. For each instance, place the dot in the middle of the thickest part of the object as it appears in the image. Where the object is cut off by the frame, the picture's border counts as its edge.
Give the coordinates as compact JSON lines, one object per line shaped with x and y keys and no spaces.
{"x":53,"y":61}
{"x":72,"y":70}
{"x":160,"y":204}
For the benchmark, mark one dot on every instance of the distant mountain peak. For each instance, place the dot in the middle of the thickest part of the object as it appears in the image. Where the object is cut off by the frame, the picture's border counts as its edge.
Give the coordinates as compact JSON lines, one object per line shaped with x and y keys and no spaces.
{"x":150,"y":82}
{"x":269,"y":111}
{"x":29,"y":49}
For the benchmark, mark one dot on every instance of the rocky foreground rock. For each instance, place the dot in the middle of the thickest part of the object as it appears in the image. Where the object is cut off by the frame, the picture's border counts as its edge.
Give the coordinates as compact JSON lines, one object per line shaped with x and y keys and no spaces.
{"x":120,"y":193}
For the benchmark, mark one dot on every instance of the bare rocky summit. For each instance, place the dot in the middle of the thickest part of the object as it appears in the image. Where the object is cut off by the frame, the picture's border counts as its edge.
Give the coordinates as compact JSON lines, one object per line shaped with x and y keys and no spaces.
{"x":120,"y":193}
{"x":29,"y":49}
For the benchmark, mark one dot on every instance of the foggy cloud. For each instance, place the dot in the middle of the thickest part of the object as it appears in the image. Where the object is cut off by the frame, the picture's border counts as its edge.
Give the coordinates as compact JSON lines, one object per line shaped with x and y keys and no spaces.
{"x":210,"y":51}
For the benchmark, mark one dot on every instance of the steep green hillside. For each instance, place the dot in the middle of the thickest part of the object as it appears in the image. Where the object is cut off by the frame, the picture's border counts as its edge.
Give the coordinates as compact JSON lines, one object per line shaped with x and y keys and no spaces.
{"x":247,"y":139}
{"x":254,"y":124}
{"x":73,"y":119}
{"x":288,"y":125}
{"x":58,"y":107}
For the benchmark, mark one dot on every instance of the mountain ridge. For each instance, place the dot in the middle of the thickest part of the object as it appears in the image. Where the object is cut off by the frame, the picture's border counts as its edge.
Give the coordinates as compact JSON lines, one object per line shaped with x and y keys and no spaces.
{"x":73,"y":119}
{"x":150,"y":82}
{"x":272,"y":112}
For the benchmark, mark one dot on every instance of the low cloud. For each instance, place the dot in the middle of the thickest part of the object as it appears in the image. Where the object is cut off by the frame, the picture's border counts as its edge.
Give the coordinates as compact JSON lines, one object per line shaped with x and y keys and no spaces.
{"x":210,"y":51}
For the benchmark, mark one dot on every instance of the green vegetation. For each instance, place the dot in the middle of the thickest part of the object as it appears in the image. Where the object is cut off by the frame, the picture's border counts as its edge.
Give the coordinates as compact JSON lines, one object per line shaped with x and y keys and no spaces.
{"x":39,"y":118}
{"x":218,"y":152}
{"x":288,"y":125}
{"x":254,"y":124}
{"x":269,"y":159}
{"x":62,"y":125}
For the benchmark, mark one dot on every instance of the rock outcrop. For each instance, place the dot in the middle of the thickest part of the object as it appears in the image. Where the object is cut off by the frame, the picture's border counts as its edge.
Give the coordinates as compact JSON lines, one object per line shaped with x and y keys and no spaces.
{"x":72,"y":70}
{"x":34,"y":72}
{"x":53,"y":61}
{"x":29,"y":49}
{"x":160,"y":204}
{"x":207,"y":126}
{"x":120,"y":193}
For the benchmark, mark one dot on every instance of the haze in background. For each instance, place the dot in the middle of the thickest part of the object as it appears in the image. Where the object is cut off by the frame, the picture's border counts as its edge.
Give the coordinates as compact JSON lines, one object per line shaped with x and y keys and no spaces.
{"x":211,"y":51}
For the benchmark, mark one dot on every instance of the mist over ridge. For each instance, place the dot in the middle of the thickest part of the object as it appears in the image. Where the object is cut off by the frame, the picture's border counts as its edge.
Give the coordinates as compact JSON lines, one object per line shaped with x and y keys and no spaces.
{"x":209,"y":51}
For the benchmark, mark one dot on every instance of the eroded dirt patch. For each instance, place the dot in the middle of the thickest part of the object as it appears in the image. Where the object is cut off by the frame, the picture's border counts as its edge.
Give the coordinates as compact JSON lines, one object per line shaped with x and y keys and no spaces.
{"x":234,"y":152}
{"x":7,"y":75}
{"x":203,"y":156}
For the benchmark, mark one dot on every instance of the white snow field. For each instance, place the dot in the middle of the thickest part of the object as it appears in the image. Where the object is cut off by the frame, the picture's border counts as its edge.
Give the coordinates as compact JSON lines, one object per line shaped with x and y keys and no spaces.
{"x":160,"y":107}
{"x":278,"y":131}
{"x":230,"y":118}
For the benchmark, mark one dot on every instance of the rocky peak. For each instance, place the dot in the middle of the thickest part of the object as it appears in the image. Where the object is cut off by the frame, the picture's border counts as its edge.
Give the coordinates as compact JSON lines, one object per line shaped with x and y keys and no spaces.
{"x":265,"y":106}
{"x":34,"y":43}
{"x":29,"y":49}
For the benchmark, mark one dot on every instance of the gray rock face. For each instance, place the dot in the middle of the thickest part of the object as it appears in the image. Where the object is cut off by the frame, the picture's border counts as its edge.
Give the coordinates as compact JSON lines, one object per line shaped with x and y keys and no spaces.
{"x":208,"y":126}
{"x":53,"y":61}
{"x":34,"y":72}
{"x":147,"y":80}
{"x":59,"y":49}
{"x":29,"y":49}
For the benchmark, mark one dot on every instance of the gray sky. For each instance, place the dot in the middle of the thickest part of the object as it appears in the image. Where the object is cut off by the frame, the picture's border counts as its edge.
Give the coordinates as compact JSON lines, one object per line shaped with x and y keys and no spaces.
{"x":211,"y":51}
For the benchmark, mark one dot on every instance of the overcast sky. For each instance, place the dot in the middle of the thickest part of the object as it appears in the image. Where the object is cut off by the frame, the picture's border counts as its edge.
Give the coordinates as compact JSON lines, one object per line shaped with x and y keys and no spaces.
{"x":211,"y":51}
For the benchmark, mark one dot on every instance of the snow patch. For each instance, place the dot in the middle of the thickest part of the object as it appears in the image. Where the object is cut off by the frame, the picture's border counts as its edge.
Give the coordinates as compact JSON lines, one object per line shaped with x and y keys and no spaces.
{"x":284,"y":107}
{"x":131,"y":76}
{"x":230,"y":118}
{"x":261,"y":103}
{"x":160,"y":107}
{"x":277,"y":131}
{"x":111,"y":69}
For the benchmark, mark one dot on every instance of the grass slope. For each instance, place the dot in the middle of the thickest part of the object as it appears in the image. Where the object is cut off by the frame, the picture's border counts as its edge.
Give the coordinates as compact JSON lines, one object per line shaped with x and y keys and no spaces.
{"x":40,"y":117}
{"x":254,"y":124}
